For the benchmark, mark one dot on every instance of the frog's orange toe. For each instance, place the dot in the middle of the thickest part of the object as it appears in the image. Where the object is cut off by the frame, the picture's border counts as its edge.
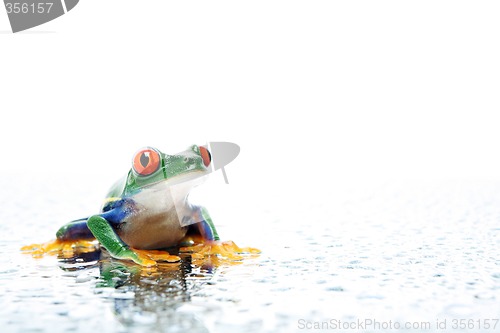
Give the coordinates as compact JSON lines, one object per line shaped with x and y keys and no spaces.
{"x":58,"y":246}
{"x":150,"y":257}
{"x":228,"y":250}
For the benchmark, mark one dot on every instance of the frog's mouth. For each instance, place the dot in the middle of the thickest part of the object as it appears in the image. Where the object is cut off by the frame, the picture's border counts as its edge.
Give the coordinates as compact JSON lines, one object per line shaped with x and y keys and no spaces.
{"x":184,"y":182}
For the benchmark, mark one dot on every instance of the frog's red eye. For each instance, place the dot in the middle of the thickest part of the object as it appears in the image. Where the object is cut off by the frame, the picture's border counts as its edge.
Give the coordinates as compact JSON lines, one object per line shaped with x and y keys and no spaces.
{"x":146,"y":161}
{"x":205,"y":156}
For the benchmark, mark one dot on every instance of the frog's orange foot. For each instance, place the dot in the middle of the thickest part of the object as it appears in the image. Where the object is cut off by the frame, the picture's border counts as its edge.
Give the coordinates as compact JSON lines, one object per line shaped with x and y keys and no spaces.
{"x":151,"y":257}
{"x":67,"y":248}
{"x":227,"y":250}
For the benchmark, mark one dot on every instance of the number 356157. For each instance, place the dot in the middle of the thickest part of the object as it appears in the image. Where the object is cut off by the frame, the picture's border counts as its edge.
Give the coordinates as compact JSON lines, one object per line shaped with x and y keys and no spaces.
{"x":25,"y":8}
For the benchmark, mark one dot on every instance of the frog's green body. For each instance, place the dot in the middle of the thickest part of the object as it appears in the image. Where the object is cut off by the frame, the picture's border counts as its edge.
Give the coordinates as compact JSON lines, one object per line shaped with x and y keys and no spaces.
{"x":143,"y":212}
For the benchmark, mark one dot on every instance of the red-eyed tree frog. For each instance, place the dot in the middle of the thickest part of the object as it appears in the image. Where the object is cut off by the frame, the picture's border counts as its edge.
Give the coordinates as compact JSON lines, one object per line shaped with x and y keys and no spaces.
{"x":140,"y":215}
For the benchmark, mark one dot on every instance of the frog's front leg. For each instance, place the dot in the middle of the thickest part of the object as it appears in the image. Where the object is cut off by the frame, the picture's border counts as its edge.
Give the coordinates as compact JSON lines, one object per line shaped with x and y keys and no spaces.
{"x":106,"y":235}
{"x":211,"y":244}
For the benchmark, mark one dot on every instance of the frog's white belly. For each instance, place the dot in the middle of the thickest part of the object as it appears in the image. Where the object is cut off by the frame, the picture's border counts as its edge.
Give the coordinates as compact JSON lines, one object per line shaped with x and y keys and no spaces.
{"x":152,"y":231}
{"x":155,"y":224}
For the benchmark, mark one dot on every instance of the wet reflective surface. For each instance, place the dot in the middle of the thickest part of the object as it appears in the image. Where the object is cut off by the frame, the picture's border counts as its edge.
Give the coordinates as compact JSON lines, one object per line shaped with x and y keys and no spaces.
{"x":406,"y":253}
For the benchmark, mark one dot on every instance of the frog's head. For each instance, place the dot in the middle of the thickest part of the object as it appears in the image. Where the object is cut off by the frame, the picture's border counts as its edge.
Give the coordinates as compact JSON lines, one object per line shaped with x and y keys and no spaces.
{"x":151,"y":166}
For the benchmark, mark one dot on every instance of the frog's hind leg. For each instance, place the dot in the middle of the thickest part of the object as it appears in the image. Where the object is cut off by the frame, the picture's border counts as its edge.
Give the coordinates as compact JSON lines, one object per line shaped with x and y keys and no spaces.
{"x":211,"y":244}
{"x":73,"y":237}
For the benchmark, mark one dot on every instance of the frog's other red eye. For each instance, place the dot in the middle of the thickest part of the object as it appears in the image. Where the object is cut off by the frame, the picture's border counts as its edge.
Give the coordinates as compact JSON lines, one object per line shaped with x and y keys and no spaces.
{"x":205,"y":156}
{"x":146,"y":161}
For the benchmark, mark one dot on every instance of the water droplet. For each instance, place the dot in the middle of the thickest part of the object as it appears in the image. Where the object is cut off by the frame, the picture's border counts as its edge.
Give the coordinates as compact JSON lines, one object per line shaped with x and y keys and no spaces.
{"x":485,"y":296}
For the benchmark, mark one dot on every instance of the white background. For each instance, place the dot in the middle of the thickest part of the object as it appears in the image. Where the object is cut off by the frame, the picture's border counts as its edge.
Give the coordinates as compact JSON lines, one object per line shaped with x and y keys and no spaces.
{"x":327,"y":100}
{"x":318,"y":94}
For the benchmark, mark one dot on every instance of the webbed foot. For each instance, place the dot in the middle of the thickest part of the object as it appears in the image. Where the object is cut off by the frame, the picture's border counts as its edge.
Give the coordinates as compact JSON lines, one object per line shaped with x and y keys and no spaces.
{"x":66,"y":248}
{"x":151,"y":258}
{"x":226,"y":250}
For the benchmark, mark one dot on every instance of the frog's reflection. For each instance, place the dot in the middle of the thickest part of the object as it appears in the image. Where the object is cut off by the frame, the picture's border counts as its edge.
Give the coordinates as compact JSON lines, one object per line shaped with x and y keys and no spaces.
{"x":149,"y":296}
